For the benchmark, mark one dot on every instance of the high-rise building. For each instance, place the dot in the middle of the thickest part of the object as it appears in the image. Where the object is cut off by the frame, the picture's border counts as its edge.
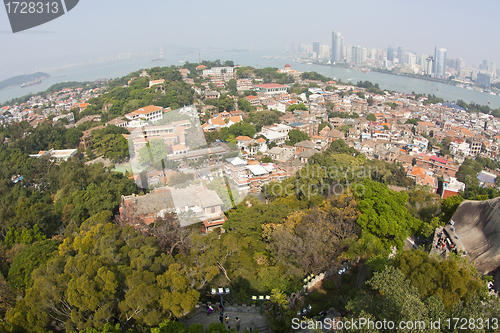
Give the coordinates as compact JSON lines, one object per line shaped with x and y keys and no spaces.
{"x":439,"y":62}
{"x":390,"y":53}
{"x":355,"y":54}
{"x":430,"y":65}
{"x":493,"y":69}
{"x":421,"y":61}
{"x":316,"y":48}
{"x":484,"y":80}
{"x":401,"y":55}
{"x":324,"y":52}
{"x":337,"y":47}
{"x":459,"y":64}
{"x":305,"y":49}
{"x":410,"y":58}
{"x":484,"y":66}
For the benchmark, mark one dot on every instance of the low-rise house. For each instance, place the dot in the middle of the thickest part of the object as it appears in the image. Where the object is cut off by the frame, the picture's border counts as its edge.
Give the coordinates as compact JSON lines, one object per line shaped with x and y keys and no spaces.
{"x":310,"y":128}
{"x":333,"y":135}
{"x":271,"y":88}
{"x":211,"y":94}
{"x":304,"y":145}
{"x":192,"y":205}
{"x":251,"y":176}
{"x":58,"y":155}
{"x":155,"y":82}
{"x":306,"y":154}
{"x":249,"y":147}
{"x":274,"y":136}
{"x":427,"y":180}
{"x":451,"y":186}
{"x":254,"y":100}
{"x":280,"y":128}
{"x":118,"y":122}
{"x":149,"y":113}
{"x":437,"y":164}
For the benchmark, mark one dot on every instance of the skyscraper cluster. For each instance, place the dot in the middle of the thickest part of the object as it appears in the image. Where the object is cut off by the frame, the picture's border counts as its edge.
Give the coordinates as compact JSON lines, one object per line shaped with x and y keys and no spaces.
{"x":397,"y":60}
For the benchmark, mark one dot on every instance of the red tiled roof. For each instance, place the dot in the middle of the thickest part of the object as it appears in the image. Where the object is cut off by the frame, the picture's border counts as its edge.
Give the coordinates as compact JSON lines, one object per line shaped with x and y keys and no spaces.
{"x":235,"y":119}
{"x":270,"y":85}
{"x":147,"y":109}
{"x":437,"y":159}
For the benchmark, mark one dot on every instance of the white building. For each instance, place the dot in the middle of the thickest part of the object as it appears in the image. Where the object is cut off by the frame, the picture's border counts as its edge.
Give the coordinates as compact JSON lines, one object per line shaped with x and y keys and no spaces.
{"x":58,"y":155}
{"x":155,"y":82}
{"x":271,"y":88}
{"x":149,"y":113}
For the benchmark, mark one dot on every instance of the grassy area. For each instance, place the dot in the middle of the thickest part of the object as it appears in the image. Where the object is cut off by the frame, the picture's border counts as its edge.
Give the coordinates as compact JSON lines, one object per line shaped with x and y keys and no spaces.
{"x":123,"y":167}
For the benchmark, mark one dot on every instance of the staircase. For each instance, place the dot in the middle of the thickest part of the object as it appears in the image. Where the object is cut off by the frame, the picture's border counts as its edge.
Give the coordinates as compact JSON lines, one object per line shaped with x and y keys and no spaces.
{"x":261,"y":326}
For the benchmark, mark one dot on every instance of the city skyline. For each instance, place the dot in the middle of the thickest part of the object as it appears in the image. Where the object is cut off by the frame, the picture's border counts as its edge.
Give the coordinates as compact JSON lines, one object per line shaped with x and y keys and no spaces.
{"x":338,"y":47}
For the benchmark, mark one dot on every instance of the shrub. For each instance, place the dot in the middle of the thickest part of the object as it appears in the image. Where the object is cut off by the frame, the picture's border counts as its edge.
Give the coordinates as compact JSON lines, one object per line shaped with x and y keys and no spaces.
{"x":316,"y":296}
{"x":329,"y":285}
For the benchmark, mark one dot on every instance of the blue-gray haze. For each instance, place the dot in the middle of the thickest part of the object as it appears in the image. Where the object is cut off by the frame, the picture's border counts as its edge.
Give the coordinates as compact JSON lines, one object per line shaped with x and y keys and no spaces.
{"x":96,"y":28}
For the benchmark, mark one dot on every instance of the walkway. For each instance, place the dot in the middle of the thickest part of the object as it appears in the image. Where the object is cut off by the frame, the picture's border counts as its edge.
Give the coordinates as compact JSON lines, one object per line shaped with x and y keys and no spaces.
{"x":249,"y":316}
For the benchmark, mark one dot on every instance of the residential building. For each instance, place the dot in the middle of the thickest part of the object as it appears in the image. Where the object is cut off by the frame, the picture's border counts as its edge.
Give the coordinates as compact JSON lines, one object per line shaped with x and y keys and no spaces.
{"x":274,"y":136}
{"x":58,"y":155}
{"x":437,"y":164}
{"x":271,"y":88}
{"x":149,"y":113}
{"x":451,"y":186}
{"x":155,"y":82}
{"x":251,"y":176}
{"x":201,"y":204}
{"x":254,"y":100}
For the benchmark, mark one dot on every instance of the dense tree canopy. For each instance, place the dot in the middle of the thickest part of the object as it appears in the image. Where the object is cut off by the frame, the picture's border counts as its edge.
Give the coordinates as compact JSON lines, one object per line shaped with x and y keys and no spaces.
{"x":384,"y":214}
{"x":295,"y":136}
{"x":110,"y":142}
{"x":103,"y":274}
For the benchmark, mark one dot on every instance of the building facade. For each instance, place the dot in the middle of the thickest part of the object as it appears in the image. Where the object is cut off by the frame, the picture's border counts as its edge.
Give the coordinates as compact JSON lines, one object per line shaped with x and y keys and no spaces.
{"x":337,"y":47}
{"x":439,"y":61}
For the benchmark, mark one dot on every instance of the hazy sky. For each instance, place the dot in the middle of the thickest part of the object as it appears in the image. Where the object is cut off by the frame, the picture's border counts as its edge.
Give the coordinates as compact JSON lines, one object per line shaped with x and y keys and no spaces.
{"x":467,"y":29}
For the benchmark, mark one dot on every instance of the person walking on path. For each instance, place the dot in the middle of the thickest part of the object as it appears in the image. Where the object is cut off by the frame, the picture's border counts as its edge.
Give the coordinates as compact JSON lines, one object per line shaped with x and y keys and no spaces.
{"x":227,"y":320}
{"x":238,"y":323}
{"x":221,"y":318}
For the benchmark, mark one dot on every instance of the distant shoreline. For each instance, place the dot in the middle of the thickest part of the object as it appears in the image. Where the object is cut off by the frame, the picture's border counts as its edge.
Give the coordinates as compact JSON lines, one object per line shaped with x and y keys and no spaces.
{"x":26,"y":80}
{"x":378,"y":70}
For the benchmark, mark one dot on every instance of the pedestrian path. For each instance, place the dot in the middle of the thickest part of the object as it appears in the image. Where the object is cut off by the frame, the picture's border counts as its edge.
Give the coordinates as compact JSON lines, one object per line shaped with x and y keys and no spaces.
{"x":249,"y":317}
